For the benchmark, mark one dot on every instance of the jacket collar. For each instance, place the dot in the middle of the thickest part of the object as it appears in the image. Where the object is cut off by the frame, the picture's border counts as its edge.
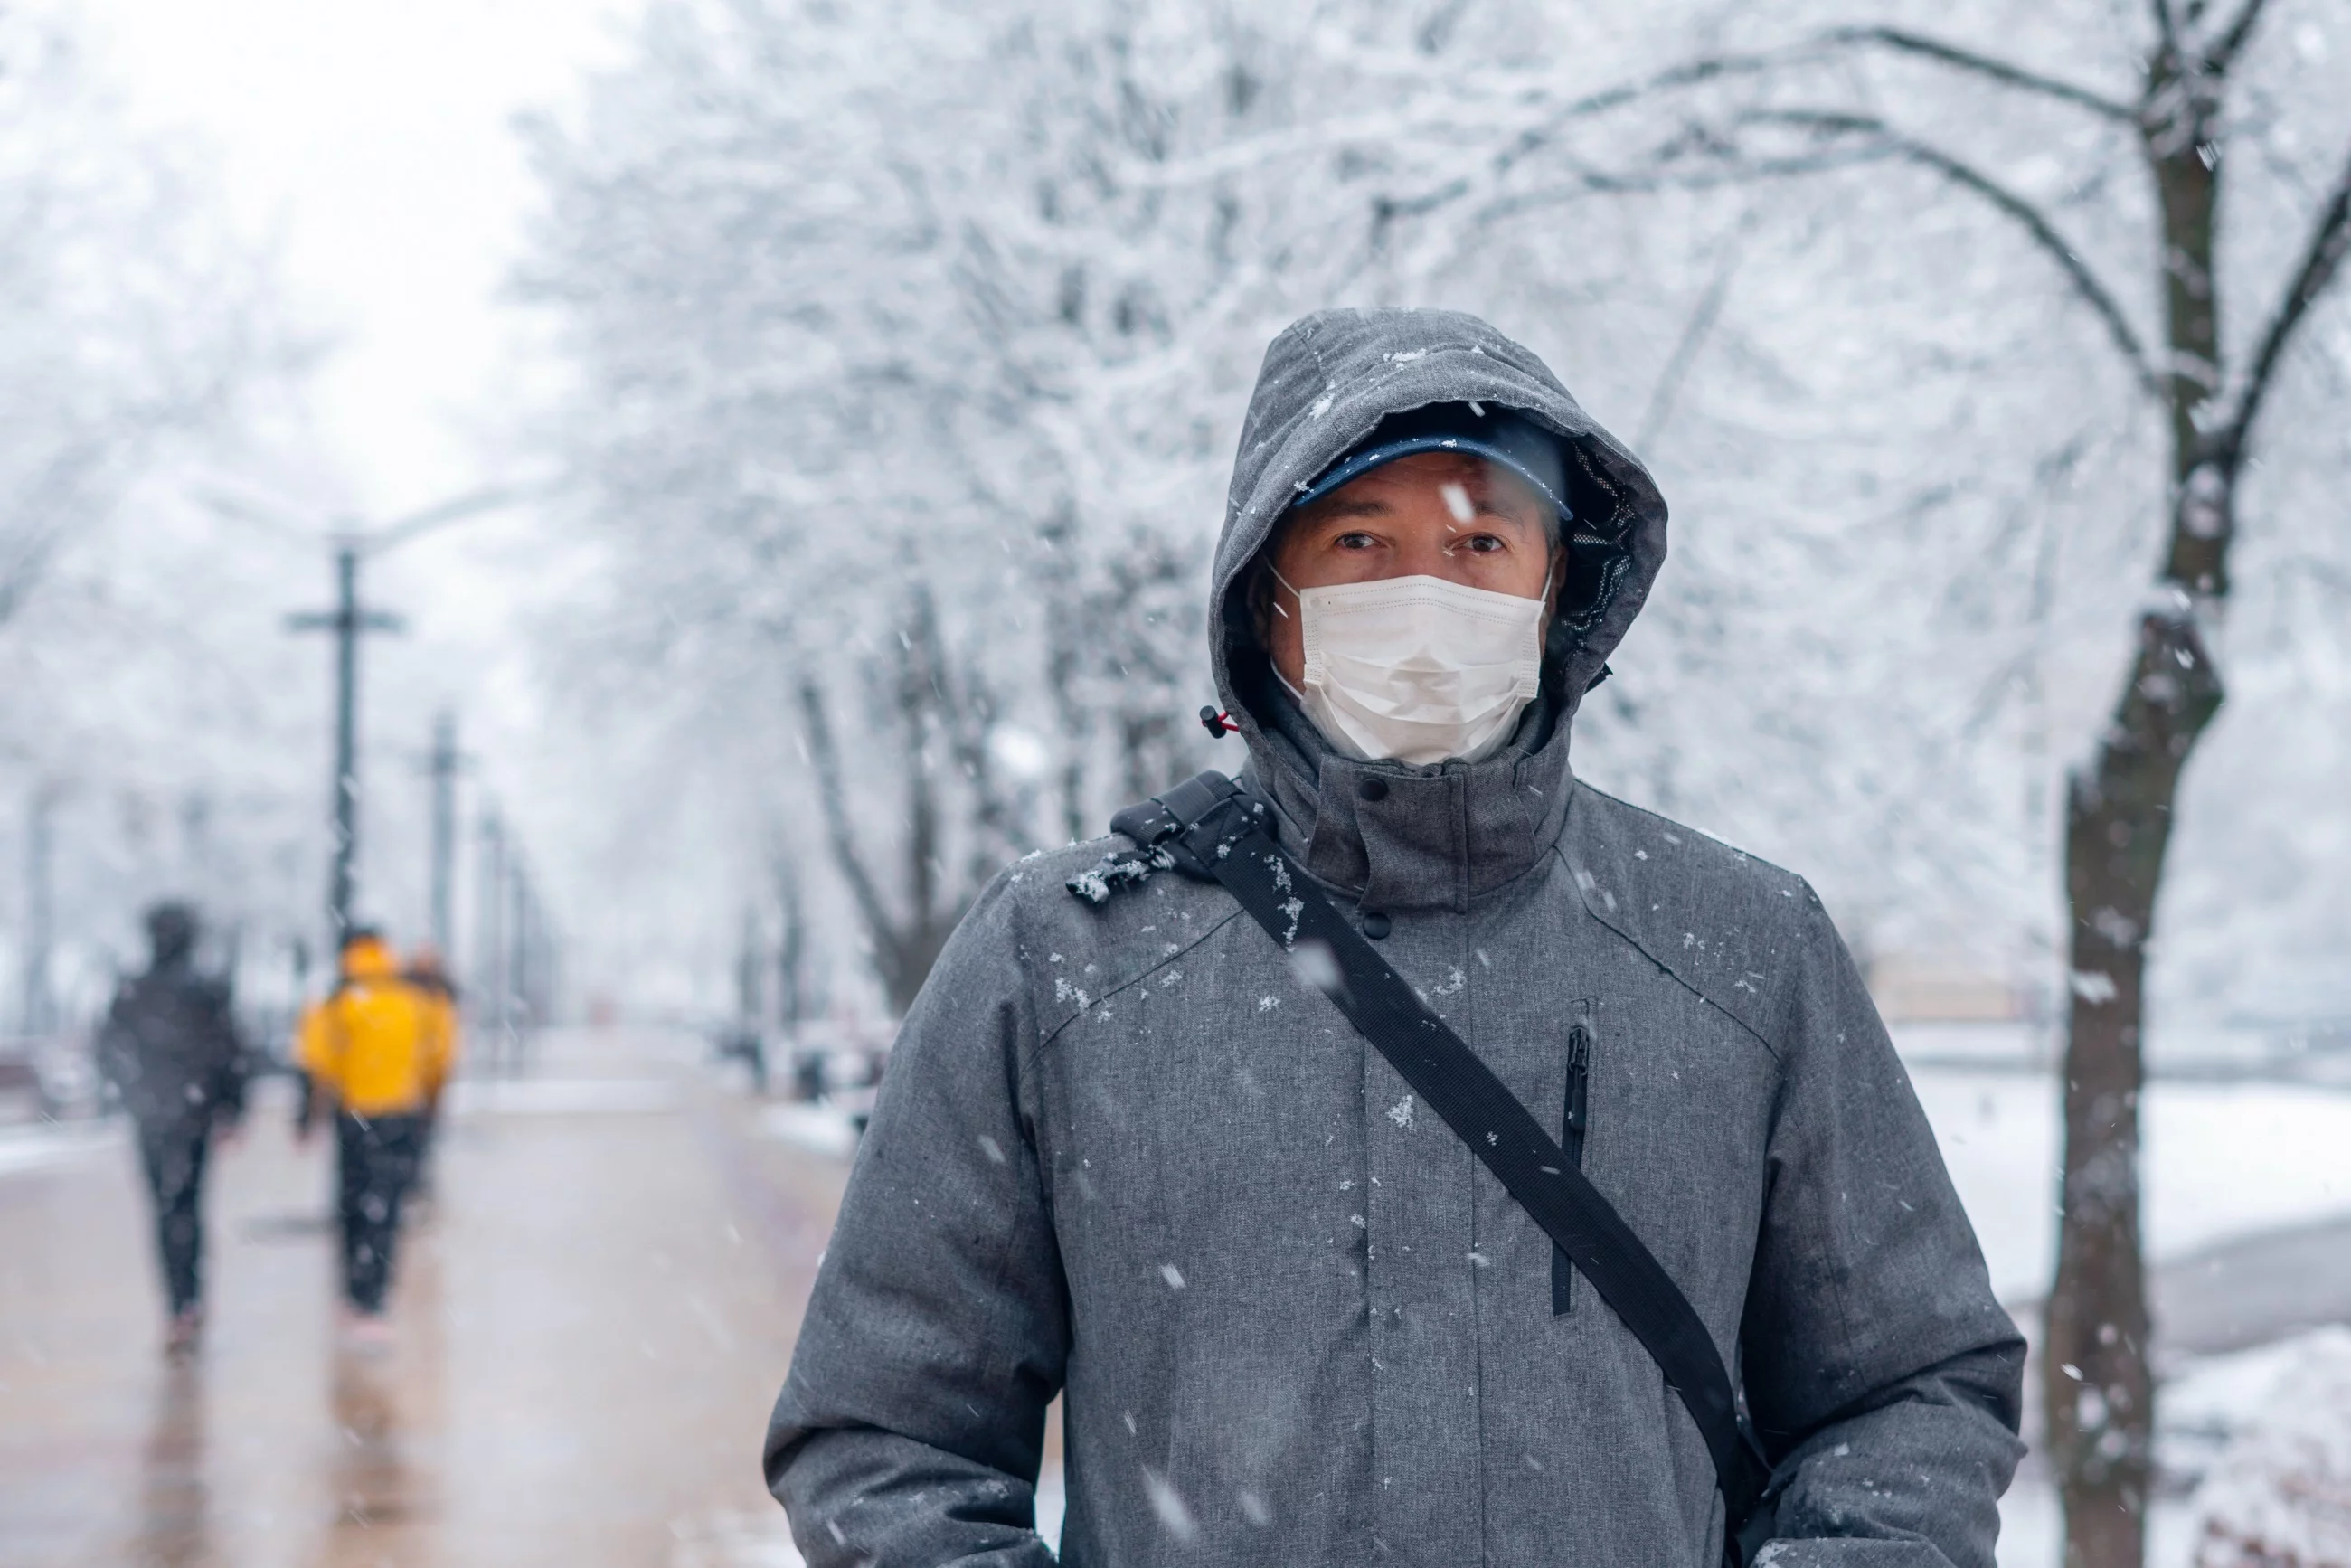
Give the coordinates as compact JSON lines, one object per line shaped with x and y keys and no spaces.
{"x":1400,"y":837}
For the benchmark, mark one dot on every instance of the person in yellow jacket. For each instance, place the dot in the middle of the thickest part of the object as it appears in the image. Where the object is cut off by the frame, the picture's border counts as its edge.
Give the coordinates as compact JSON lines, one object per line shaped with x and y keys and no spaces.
{"x":377,"y":1049}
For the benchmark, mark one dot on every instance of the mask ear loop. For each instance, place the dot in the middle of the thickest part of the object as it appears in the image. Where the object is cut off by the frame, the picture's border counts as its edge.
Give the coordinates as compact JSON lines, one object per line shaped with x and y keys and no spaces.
{"x":1275,"y":573}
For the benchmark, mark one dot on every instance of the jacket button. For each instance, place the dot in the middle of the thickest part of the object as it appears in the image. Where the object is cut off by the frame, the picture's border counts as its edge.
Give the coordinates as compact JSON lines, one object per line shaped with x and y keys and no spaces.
{"x":1376,"y":926}
{"x":1372,"y":789}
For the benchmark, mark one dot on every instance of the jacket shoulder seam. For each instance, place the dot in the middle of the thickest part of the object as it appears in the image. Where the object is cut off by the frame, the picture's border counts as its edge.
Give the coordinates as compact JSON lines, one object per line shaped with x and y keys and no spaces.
{"x":1046,"y":1039}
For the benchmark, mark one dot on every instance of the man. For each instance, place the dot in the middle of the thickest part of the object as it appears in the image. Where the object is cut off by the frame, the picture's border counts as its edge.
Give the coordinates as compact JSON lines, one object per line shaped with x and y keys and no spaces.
{"x":377,"y":1050}
{"x":1129,"y":1154}
{"x":169,"y":1046}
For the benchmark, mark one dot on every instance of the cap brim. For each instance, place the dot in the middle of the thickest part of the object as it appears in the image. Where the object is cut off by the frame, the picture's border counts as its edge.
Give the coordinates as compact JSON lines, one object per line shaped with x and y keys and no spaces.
{"x":1356,"y":465}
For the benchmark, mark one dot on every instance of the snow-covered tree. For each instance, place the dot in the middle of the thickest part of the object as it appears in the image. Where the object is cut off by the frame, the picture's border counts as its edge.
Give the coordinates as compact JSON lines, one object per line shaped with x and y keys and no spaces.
{"x":895,"y":307}
{"x":136,"y":729}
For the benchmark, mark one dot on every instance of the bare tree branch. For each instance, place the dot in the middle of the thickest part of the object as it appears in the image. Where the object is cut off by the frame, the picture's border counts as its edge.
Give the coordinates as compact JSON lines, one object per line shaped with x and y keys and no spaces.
{"x":58,"y":497}
{"x":967,"y":712}
{"x":826,"y":755}
{"x":2167,"y":27}
{"x":1690,"y":73}
{"x":2233,"y":37}
{"x":1986,"y":66}
{"x":1884,"y":140}
{"x":1387,"y":210}
{"x":919,"y":701}
{"x":2034,"y":222}
{"x":1685,"y":351}
{"x":1584,"y":182}
{"x":2322,"y":258}
{"x":1382,"y":127}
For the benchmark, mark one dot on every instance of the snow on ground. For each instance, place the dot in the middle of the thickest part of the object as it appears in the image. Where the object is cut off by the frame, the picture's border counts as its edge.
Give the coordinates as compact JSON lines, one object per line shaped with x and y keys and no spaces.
{"x":39,"y":1146}
{"x":2220,"y":1160}
{"x":2201,"y":1410}
{"x":2282,"y":1492}
{"x":821,"y":1129}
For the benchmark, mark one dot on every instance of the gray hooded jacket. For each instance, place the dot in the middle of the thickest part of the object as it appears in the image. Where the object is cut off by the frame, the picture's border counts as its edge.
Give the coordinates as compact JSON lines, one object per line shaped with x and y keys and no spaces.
{"x":1123,"y":1154}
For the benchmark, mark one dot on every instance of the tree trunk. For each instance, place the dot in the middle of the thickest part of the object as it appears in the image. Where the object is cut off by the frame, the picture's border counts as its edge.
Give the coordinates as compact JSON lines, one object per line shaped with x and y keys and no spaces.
{"x":1066,"y":626}
{"x":2094,"y":1375}
{"x":791,"y":1000}
{"x":2097,"y":1384}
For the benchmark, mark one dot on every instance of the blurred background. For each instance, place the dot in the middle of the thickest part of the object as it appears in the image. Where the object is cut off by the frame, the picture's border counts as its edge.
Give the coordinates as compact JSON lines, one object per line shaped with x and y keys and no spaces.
{"x":772,"y":450}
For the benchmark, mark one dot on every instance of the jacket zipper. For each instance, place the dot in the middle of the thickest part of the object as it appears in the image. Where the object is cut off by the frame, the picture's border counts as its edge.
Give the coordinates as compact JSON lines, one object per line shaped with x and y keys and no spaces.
{"x":1573,"y":1122}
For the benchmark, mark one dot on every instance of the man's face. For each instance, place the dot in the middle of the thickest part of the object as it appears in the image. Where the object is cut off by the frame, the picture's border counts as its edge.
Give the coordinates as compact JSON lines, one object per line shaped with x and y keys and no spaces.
{"x":1435,"y":514}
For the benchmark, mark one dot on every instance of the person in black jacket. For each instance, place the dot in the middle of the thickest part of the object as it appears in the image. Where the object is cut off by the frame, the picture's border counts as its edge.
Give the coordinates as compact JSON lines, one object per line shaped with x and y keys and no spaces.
{"x":170,"y":1047}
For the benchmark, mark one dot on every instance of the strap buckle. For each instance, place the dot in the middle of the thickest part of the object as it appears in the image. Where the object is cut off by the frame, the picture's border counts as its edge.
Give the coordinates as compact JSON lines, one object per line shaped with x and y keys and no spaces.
{"x":1162,"y":829}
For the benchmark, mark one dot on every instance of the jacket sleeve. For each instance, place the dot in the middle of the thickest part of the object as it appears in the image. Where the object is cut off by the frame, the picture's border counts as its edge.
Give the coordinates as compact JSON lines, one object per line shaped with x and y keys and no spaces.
{"x":314,"y":1046}
{"x":909,"y":1432}
{"x":233,"y":1057}
{"x":1882,"y":1374}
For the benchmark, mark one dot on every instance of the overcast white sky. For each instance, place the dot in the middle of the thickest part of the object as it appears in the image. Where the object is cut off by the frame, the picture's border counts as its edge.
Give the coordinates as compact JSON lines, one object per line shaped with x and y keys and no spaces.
{"x":371,"y":145}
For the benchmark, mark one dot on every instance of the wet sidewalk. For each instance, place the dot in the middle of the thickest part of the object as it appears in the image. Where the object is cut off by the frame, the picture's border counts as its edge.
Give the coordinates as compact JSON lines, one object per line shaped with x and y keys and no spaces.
{"x":592,"y":1317}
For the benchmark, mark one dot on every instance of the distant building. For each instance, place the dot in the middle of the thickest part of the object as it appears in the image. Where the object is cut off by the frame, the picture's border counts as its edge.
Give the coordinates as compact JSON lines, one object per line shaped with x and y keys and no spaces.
{"x":1923,"y":988}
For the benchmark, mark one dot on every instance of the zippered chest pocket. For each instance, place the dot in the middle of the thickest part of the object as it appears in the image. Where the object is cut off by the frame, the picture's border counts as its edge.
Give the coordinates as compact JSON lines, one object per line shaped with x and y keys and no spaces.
{"x":1574,"y":1120}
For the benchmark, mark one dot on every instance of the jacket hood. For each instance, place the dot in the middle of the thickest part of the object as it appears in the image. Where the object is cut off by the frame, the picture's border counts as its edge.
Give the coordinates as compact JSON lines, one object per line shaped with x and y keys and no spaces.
{"x":1327,"y":382}
{"x":368,"y":958}
{"x":171,"y":931}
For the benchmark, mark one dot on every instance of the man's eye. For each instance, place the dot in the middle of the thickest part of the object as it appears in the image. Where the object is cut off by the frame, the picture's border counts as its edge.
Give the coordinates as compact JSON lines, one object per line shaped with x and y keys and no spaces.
{"x":1355,"y":541}
{"x":1483,"y":544}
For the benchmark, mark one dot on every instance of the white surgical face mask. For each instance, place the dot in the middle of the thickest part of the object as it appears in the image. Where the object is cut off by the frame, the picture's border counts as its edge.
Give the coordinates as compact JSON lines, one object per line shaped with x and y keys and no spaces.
{"x":1417,"y":669}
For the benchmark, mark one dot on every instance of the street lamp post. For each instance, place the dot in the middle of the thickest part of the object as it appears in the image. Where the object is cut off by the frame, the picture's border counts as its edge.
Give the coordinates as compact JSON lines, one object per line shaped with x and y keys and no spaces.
{"x":444,"y":766}
{"x":348,"y":621}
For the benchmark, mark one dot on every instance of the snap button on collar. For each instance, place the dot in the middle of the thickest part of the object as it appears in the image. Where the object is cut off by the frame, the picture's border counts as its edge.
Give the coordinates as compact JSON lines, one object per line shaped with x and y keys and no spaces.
{"x":1376,"y":925}
{"x":1372,"y":789}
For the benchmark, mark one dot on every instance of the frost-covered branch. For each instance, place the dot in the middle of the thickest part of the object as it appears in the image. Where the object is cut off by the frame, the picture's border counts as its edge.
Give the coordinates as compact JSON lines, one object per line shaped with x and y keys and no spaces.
{"x":824,"y":758}
{"x":1688,"y":74}
{"x":45,"y":508}
{"x":2231,"y":39}
{"x":2320,"y":263}
{"x":1904,"y":41}
{"x":2035,"y":223}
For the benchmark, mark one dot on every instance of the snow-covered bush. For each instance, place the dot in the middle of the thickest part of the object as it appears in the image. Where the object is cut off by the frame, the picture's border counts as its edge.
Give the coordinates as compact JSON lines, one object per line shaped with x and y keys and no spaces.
{"x":2280,"y":1496}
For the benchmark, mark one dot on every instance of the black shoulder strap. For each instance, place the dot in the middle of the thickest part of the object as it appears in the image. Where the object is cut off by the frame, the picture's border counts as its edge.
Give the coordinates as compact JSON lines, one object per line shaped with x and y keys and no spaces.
{"x":1208,"y":827}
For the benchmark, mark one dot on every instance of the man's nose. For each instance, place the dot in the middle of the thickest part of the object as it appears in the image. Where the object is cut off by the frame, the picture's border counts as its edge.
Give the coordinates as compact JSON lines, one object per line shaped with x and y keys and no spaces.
{"x":1423,"y":555}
